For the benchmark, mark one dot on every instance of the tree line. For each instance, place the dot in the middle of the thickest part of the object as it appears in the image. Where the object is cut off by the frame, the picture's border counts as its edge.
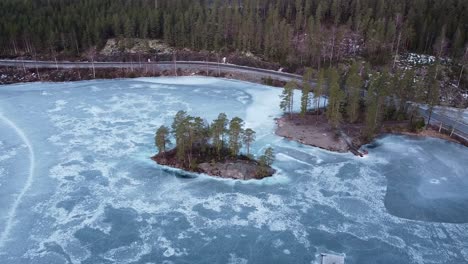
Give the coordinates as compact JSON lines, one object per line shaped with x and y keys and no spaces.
{"x":291,"y":32}
{"x":196,"y":140}
{"x":367,"y":96}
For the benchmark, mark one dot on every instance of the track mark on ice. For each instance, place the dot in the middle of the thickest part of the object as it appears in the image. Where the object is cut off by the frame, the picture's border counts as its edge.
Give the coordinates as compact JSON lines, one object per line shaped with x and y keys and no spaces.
{"x":12,"y":213}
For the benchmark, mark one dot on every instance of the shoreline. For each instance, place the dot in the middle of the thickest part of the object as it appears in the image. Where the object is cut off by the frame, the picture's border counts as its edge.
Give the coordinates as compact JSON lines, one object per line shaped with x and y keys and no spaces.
{"x":316,"y":132}
{"x":319,"y":133}
{"x":15,"y":75}
{"x":238,"y":168}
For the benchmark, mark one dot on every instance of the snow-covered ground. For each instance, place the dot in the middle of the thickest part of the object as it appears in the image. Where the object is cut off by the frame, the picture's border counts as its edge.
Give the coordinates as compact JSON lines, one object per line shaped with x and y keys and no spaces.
{"x":77,"y":185}
{"x":416,"y":59}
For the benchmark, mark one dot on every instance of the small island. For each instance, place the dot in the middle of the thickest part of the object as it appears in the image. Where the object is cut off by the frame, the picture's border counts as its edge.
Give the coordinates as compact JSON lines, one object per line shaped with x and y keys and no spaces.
{"x":213,"y":149}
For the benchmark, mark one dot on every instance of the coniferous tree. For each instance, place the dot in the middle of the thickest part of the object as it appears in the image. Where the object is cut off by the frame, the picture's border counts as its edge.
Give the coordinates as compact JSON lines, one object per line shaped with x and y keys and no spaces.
{"x":306,"y":89}
{"x":372,"y":107}
{"x":267,"y":158}
{"x":353,"y":85}
{"x":198,"y":142}
{"x":161,"y":138}
{"x":248,"y":138}
{"x":375,"y":102}
{"x":287,"y":98}
{"x":405,"y":90}
{"x":336,"y":97}
{"x":235,"y":133}
{"x":218,"y":131}
{"x":319,"y":90}
{"x":201,"y":133}
{"x":275,"y":28}
{"x":180,"y":131}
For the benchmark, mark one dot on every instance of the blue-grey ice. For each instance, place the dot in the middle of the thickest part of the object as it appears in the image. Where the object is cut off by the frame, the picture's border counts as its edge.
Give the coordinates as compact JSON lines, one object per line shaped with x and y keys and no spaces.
{"x":77,"y":184}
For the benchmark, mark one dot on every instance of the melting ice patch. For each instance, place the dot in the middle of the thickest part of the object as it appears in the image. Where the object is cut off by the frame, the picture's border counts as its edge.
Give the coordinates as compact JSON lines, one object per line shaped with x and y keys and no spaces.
{"x":98,"y":198}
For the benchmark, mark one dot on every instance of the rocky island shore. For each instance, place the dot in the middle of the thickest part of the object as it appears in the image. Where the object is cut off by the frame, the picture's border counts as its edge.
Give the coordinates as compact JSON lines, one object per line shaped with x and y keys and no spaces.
{"x":212,"y":149}
{"x":240,"y":168}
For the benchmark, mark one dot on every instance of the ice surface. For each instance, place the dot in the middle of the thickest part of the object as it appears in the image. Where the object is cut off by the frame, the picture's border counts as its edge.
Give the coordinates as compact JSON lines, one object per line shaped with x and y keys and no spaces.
{"x":28,"y":181}
{"x":77,"y":185}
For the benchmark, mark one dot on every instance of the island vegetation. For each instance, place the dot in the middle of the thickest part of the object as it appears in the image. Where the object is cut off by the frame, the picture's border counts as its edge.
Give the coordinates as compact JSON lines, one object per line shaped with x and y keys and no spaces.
{"x":213,"y":149}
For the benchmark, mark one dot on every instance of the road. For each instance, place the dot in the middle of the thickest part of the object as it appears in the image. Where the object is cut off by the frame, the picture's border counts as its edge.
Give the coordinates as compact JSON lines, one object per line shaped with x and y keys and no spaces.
{"x":448,"y":121}
{"x":160,"y":65}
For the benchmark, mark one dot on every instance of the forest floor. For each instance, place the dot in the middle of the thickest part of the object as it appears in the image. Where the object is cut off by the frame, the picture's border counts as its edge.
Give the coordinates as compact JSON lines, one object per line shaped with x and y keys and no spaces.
{"x":315,"y":131}
{"x":310,"y":130}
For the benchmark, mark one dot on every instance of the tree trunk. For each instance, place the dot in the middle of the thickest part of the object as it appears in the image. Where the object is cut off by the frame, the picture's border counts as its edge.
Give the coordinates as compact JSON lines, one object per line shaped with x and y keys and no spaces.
{"x":175,"y":66}
{"x":461,"y":74}
{"x":291,"y":103}
{"x":37,"y":68}
{"x":376,"y":116}
{"x":396,"y":52}
{"x":318,"y":109}
{"x":14,"y":47}
{"x":76,"y":44}
{"x":26,"y":45}
{"x":429,"y":118}
{"x":94,"y":71}
{"x":37,"y":71}
{"x":333,"y":45}
{"x":219,"y":70}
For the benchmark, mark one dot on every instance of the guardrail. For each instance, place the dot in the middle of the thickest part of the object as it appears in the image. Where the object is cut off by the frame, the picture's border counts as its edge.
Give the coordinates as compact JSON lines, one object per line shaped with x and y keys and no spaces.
{"x":177,"y":64}
{"x":448,"y":128}
{"x":447,"y":122}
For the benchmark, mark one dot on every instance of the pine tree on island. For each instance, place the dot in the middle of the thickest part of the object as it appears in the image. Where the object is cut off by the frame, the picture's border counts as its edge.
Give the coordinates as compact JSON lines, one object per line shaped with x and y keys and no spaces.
{"x":198,"y":143}
{"x":161,"y":138}
{"x":248,"y":139}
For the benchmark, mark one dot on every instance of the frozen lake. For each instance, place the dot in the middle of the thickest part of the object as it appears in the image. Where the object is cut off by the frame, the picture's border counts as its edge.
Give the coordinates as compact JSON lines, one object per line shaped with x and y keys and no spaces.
{"x":77,"y":185}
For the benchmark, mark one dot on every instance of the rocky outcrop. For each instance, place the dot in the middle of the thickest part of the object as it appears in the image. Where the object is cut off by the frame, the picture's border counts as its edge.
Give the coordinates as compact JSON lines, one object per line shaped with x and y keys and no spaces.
{"x":241,"y":167}
{"x":135,"y":46}
{"x":242,"y":170}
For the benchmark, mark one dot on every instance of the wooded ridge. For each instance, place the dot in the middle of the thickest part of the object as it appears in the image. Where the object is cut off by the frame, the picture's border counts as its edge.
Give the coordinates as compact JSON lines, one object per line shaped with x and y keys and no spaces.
{"x":291,"y":32}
